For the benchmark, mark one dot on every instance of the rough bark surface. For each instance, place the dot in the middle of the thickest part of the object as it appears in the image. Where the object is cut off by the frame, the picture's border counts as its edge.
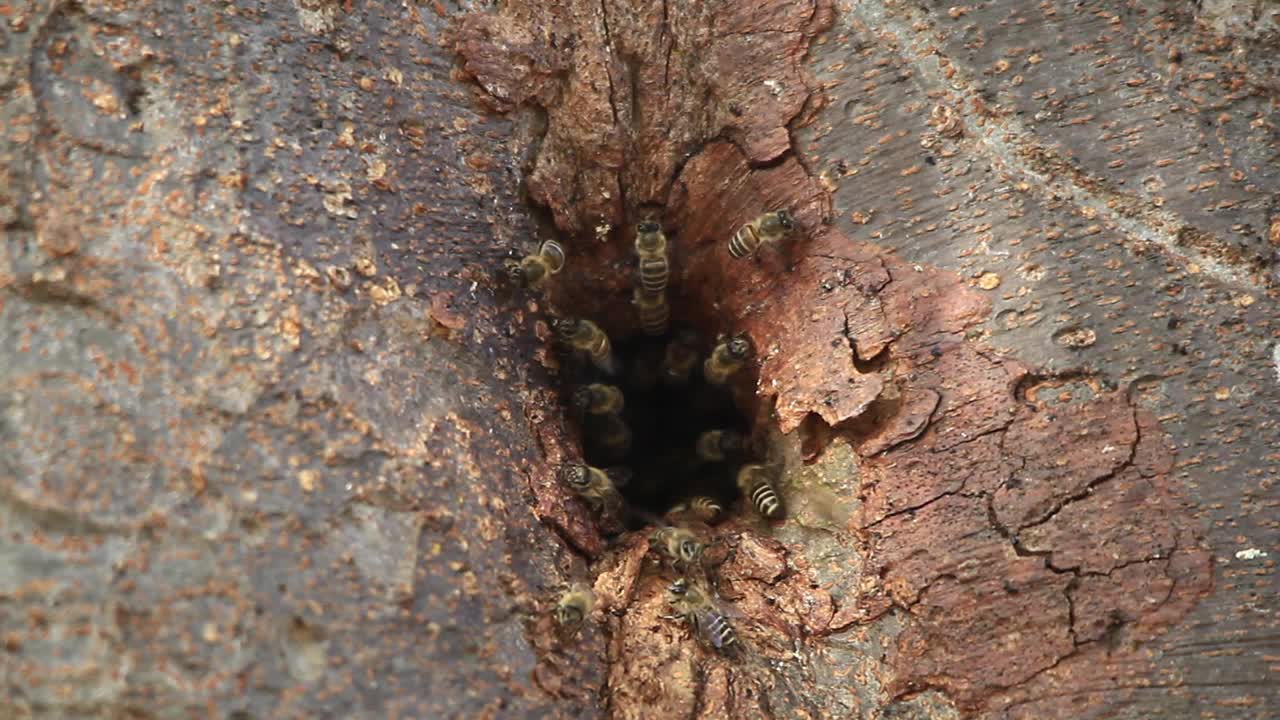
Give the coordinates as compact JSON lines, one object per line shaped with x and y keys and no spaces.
{"x":275,"y":443}
{"x":266,"y":433}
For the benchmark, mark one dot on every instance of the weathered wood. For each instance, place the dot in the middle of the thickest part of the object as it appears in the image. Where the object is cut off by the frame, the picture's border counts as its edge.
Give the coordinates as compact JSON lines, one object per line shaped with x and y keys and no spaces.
{"x":1110,"y":192}
{"x":264,"y":449}
{"x":274,"y":441}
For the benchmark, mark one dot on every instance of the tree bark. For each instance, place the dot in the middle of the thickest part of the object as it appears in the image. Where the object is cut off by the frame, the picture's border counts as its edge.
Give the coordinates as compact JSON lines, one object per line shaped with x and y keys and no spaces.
{"x":276,"y":440}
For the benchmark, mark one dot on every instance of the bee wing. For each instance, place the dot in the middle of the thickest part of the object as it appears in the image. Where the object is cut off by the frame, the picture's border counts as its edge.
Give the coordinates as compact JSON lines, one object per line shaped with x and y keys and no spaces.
{"x":826,"y":505}
{"x":620,"y":475}
{"x":614,"y":505}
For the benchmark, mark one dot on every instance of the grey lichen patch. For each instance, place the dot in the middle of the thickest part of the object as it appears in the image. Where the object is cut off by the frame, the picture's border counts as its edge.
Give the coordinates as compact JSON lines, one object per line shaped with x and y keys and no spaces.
{"x":821,"y":499}
{"x":318,"y":17}
{"x":383,"y":545}
{"x":305,"y":650}
{"x":72,"y":657}
{"x":850,"y":663}
{"x":58,"y":627}
{"x":1248,"y":18}
{"x":47,"y":470}
{"x":821,"y":495}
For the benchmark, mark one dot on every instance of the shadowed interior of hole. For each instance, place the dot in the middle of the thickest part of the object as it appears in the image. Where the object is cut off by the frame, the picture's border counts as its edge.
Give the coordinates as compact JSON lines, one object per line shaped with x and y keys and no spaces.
{"x":665,"y":420}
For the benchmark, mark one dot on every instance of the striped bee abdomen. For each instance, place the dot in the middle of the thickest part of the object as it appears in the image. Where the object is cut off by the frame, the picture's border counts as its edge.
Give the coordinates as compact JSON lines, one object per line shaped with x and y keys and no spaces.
{"x":653,"y":311}
{"x":718,"y":630}
{"x":766,"y":500}
{"x":755,"y":482}
{"x":770,"y":227}
{"x":654,"y":272}
{"x":654,"y":319}
{"x":744,"y":242}
{"x":553,"y":253}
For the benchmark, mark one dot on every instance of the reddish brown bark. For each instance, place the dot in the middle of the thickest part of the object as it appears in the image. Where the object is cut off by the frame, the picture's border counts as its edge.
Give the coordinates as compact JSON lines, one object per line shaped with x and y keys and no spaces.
{"x":975,"y":483}
{"x":275,"y":442}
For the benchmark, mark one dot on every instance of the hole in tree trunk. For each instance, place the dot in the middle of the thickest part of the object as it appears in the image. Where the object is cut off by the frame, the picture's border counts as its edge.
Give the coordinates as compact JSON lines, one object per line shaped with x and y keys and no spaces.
{"x":665,"y":417}
{"x":666,"y":420}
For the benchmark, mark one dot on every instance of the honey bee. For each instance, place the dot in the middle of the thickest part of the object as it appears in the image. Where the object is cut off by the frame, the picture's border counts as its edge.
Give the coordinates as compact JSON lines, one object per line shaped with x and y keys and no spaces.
{"x":533,"y":270}
{"x":651,"y":246}
{"x":755,"y":482}
{"x":680,"y":357}
{"x":585,"y":336}
{"x":572,"y":609}
{"x":693,"y":606}
{"x":597,"y":487}
{"x":653,"y":310}
{"x":726,"y":359}
{"x":620,"y":476}
{"x":681,"y":546}
{"x":700,"y":507}
{"x":768,"y":228}
{"x":719,"y":445}
{"x":612,"y":435}
{"x":597,"y":399}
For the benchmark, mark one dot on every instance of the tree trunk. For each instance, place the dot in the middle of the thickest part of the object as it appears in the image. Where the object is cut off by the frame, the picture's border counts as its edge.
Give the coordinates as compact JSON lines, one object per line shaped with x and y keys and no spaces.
{"x":278,"y":438}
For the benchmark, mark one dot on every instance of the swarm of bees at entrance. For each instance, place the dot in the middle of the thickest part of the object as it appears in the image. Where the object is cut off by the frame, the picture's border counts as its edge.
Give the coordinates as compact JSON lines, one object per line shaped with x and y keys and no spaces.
{"x":660,"y":432}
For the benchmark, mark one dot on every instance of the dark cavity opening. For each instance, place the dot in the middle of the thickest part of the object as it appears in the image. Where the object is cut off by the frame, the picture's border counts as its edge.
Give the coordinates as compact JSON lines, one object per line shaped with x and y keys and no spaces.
{"x":665,"y":419}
